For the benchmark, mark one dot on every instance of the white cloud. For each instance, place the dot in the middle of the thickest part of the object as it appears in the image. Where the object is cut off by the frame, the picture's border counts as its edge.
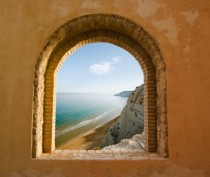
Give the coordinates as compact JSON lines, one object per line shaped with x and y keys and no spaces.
{"x":115,"y":60}
{"x":104,"y":66}
{"x":101,"y":68}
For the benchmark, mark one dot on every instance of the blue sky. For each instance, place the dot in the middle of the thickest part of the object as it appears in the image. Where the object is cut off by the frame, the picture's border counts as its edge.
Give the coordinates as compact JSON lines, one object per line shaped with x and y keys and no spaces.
{"x":99,"y":68}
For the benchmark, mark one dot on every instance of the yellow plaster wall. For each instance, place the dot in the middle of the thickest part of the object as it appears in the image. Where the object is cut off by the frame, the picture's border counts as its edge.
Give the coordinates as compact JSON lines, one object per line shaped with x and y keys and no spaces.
{"x":182,"y":30}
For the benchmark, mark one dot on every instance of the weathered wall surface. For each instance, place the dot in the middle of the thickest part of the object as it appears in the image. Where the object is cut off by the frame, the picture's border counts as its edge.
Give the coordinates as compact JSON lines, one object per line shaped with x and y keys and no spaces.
{"x":182,"y":30}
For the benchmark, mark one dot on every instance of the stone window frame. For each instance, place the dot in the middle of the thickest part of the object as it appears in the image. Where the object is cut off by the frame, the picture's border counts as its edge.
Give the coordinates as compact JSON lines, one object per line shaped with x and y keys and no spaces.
{"x":93,"y":28}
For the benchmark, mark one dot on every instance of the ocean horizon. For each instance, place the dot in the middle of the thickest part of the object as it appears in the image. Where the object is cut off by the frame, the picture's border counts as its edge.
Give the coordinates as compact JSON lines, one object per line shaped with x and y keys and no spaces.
{"x":77,"y":113}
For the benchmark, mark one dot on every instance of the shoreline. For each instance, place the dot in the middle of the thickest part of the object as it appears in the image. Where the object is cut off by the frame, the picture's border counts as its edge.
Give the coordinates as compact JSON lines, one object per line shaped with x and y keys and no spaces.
{"x":89,"y":140}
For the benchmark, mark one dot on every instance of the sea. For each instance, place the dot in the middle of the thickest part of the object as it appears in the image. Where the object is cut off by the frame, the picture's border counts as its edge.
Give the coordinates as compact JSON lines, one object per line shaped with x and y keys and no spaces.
{"x":77,"y":113}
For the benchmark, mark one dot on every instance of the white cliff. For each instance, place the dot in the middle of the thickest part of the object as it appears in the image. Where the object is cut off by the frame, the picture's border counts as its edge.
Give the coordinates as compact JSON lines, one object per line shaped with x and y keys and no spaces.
{"x":130,"y":122}
{"x":134,"y":143}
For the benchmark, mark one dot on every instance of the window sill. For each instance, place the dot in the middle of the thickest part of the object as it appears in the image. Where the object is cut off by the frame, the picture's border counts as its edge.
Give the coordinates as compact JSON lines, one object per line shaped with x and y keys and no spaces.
{"x":100,"y":155}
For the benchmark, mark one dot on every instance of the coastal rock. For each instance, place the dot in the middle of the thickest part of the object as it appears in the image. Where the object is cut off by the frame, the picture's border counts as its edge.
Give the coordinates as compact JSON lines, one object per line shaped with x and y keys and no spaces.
{"x":124,"y":94}
{"x":135,"y":143}
{"x":130,"y":122}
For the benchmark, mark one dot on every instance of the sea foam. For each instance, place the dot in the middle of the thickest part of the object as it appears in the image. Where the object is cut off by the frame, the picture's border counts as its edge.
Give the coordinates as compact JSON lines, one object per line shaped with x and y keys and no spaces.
{"x":84,"y":123}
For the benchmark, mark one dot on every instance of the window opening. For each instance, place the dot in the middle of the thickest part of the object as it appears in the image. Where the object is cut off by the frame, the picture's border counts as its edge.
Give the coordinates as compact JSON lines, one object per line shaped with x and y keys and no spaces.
{"x":93,"y":87}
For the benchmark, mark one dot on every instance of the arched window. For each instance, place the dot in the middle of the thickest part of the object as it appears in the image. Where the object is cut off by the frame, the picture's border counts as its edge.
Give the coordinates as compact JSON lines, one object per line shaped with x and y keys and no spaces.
{"x":100,"y":28}
{"x":86,"y":88}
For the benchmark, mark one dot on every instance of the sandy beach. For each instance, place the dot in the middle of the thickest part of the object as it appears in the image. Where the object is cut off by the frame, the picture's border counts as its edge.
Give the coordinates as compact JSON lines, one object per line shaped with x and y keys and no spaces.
{"x":88,"y":140}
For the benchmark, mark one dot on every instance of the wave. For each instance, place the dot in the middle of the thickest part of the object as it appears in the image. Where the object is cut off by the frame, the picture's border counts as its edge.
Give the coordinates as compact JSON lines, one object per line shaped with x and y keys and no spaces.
{"x":83,"y":123}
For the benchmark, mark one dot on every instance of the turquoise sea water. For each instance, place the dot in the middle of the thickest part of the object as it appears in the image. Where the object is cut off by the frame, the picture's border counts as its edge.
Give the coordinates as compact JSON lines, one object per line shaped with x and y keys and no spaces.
{"x":77,"y":113}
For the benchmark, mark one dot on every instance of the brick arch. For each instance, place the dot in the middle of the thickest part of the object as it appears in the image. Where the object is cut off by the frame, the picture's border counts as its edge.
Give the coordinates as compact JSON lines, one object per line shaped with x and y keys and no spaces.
{"x":100,"y":28}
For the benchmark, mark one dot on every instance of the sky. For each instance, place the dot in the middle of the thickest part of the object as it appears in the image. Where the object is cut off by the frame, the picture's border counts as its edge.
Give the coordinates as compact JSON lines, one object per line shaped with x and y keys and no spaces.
{"x":99,"y":68}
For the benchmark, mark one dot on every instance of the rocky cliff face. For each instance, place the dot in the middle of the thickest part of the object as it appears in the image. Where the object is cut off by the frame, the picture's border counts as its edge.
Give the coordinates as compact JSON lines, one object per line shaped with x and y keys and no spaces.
{"x":134,"y":143}
{"x":130,"y":122}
